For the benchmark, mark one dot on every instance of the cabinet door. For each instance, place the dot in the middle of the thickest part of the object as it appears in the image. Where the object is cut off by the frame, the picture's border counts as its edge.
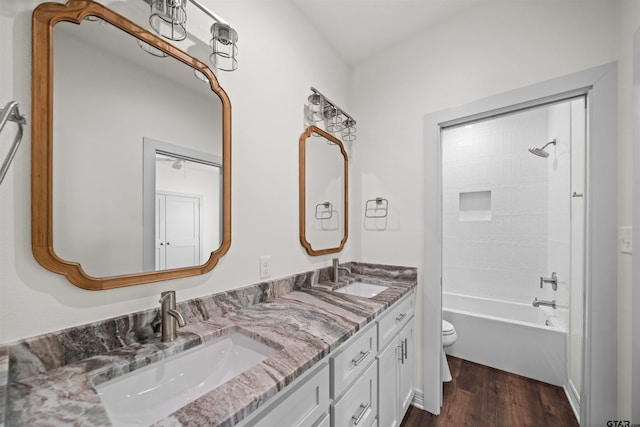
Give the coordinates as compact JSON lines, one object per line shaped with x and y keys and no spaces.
{"x":406,"y":375}
{"x":388,"y":380}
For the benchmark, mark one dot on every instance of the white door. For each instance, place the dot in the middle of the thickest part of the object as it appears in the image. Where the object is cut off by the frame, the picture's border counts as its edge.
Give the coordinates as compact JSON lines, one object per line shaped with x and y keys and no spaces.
{"x":177,"y":231}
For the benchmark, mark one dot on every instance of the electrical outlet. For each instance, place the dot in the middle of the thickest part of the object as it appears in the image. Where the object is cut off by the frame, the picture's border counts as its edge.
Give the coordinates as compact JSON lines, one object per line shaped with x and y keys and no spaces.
{"x":265,"y":266}
{"x":626,"y":243}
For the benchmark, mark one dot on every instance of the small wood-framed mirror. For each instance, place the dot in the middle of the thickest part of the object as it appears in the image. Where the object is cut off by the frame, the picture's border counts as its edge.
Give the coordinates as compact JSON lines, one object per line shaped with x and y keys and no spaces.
{"x":324,"y":192}
{"x":120,"y":118}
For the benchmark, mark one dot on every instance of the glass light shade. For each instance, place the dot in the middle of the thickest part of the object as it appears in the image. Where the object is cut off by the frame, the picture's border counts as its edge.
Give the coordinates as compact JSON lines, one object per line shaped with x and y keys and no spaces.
{"x":169,"y":18}
{"x":315,"y":108}
{"x":349,"y":131}
{"x":333,"y":119}
{"x":223,"y":47}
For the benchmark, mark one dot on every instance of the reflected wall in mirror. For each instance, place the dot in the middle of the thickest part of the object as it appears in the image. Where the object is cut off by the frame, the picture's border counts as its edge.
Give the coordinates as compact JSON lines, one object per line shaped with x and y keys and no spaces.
{"x":324,"y":208}
{"x":124,"y":142}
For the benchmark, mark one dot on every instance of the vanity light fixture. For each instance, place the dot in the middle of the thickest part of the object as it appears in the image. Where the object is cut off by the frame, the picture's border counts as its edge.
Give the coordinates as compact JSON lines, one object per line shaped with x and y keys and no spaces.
{"x":169,"y":19}
{"x":336,"y":120}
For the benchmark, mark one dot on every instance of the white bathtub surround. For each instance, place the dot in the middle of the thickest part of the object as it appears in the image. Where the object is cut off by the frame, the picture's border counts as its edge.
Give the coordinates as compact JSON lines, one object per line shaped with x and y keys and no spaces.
{"x":514,"y":337}
{"x":506,"y":211}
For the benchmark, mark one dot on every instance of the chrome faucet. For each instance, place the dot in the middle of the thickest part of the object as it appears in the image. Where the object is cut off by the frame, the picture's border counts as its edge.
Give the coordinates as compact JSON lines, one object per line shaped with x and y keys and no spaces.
{"x":336,"y":270}
{"x":553,"y":280}
{"x":169,"y":316}
{"x":538,"y":303}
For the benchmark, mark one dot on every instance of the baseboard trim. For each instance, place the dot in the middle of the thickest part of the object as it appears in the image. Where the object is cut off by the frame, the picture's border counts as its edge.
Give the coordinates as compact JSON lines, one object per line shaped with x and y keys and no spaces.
{"x":418,"y":399}
{"x":574,"y":398}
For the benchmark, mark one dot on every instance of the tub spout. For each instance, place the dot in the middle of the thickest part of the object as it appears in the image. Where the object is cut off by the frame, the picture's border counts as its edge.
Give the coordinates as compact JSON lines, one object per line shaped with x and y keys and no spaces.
{"x":538,"y":303}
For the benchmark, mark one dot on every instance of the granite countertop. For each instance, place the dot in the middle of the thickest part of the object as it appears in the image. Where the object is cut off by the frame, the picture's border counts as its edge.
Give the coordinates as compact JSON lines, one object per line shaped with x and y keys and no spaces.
{"x":4,"y":377}
{"x":304,"y":325}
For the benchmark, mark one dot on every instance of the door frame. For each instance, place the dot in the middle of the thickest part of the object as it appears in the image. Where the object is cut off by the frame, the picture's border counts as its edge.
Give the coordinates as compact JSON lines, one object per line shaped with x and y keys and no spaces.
{"x":635,"y":273}
{"x":599,"y":84}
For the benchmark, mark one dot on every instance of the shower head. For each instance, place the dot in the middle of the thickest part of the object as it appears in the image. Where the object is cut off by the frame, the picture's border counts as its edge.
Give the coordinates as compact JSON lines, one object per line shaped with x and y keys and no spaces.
{"x":540,"y":151}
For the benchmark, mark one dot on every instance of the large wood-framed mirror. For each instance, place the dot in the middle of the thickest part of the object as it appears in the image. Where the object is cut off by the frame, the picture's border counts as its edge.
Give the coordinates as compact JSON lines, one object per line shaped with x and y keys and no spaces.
{"x":131,"y":152}
{"x":324,"y":192}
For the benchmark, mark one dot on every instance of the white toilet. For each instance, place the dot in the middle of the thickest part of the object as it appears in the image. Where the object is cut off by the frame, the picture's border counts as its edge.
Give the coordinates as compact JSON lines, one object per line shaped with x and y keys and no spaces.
{"x":449,"y":337}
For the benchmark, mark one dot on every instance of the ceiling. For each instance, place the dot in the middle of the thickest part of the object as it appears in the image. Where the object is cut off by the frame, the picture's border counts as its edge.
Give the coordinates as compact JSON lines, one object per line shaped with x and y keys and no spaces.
{"x":357,"y":29}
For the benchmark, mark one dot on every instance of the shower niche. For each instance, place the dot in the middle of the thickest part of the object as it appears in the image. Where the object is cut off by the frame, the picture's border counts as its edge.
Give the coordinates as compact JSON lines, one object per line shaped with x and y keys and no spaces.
{"x":475,"y":206}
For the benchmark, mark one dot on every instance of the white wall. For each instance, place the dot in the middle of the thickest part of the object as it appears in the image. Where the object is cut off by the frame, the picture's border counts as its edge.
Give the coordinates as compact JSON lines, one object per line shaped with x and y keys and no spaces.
{"x":628,"y":23}
{"x":492,"y":48}
{"x":281,"y":56}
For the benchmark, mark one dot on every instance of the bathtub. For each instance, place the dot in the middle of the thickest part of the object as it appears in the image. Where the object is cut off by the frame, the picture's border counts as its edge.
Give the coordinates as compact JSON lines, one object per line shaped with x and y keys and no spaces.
{"x":513,"y":337}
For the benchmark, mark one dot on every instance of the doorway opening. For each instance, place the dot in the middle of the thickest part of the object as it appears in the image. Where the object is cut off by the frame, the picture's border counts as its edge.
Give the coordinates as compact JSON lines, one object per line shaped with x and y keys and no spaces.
{"x":513,"y":241}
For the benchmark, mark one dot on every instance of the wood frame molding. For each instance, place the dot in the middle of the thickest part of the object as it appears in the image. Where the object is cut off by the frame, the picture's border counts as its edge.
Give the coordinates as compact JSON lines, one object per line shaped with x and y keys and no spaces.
{"x":302,"y":192}
{"x":44,"y":18}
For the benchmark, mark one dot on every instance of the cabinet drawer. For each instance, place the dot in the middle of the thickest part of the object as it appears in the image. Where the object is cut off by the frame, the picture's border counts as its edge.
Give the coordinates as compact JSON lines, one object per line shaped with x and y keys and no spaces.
{"x":394,"y":319}
{"x":358,"y":407}
{"x":306,"y":404}
{"x":349,"y":363}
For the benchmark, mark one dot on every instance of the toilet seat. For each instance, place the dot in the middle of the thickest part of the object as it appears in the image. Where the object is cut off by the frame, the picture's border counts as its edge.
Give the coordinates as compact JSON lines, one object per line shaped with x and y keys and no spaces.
{"x":447,"y":328}
{"x":449,"y":335}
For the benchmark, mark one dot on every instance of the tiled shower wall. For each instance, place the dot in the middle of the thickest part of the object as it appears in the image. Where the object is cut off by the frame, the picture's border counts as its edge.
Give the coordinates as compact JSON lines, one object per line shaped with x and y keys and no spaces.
{"x":499,"y":245}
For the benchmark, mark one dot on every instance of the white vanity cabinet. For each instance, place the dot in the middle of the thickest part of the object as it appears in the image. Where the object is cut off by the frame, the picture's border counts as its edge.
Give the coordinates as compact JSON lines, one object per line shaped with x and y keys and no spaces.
{"x":396,"y":361}
{"x":366,"y":382}
{"x":304,"y":403}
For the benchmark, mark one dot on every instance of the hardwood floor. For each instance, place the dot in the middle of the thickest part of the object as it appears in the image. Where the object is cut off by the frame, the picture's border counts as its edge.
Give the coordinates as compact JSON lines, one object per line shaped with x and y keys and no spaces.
{"x":484,"y":396}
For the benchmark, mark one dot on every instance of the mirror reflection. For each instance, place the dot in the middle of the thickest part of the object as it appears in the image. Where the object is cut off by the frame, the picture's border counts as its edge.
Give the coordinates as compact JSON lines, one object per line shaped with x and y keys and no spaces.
{"x":116,"y":109}
{"x":182,"y":206}
{"x":323,"y":192}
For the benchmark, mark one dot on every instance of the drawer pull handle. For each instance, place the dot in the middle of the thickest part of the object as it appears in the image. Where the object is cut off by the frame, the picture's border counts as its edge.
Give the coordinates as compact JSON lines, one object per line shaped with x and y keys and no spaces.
{"x":402,"y":316}
{"x":404,"y":355}
{"x":363,"y":355}
{"x":358,"y":417}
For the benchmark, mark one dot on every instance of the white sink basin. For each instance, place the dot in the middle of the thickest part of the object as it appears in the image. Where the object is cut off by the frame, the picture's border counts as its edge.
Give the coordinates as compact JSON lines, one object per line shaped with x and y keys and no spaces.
{"x":360,"y":289}
{"x":155,"y":391}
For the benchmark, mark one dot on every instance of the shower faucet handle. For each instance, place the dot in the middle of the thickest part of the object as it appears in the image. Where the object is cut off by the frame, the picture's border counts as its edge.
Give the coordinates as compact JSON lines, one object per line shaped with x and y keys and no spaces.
{"x":553,"y":280}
